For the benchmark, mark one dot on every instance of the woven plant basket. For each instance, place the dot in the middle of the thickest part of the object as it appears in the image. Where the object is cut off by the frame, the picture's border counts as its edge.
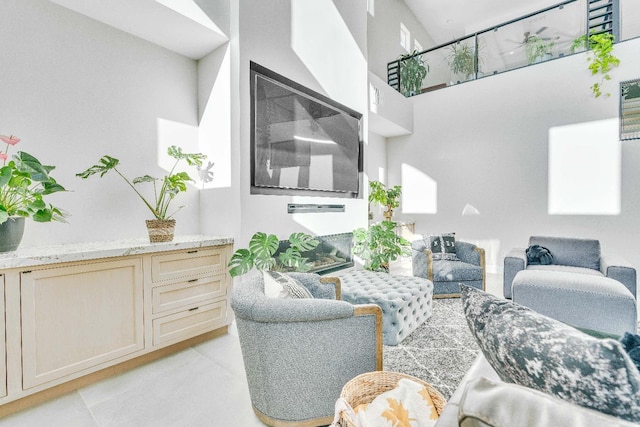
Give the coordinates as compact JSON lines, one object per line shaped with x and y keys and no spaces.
{"x":366,"y":387}
{"x":161,"y":230}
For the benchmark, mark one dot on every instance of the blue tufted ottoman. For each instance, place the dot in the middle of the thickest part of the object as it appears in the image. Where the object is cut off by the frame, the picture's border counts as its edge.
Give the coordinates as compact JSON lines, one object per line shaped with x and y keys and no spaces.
{"x":405,"y":300}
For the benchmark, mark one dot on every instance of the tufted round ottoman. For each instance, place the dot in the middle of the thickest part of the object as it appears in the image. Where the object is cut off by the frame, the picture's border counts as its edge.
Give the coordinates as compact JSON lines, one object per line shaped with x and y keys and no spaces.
{"x":405,"y":300}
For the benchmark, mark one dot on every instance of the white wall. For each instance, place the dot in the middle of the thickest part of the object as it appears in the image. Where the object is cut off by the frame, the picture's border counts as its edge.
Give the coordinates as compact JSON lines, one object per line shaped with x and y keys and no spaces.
{"x":321,"y":45}
{"x":75,"y":89}
{"x":487,"y":143}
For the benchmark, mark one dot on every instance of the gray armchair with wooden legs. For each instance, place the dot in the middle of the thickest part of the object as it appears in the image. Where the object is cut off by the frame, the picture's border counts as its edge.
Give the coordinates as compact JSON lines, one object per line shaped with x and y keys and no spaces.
{"x":299,"y":353}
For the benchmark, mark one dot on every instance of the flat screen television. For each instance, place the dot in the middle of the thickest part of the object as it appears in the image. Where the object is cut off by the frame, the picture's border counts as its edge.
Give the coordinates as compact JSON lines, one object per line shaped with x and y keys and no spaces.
{"x":302,"y":142}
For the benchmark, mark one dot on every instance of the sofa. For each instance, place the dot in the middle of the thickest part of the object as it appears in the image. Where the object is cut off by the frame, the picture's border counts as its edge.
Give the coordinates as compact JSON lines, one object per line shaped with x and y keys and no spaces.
{"x":572,"y":255}
{"x":513,"y":339}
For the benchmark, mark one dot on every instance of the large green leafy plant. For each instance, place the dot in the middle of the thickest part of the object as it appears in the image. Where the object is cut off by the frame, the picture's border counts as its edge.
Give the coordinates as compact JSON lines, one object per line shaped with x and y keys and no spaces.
{"x":462,"y":60}
{"x":378,"y":245}
{"x":413,"y":70}
{"x":388,"y":198}
{"x":601,"y":59}
{"x":24,"y":183}
{"x":262,"y":250}
{"x":170,"y":186}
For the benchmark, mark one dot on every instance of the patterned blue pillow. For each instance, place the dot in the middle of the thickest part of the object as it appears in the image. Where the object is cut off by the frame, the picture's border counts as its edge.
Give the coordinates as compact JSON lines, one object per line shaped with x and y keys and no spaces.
{"x":442,"y":246}
{"x":535,"y":351}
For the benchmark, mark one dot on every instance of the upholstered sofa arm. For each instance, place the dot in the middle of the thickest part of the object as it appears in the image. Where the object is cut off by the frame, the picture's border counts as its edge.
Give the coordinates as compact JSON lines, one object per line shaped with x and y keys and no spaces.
{"x":249,"y":302}
{"x":619,"y":269}
{"x":514,"y":261}
{"x":421,"y":259}
{"x":469,"y":253}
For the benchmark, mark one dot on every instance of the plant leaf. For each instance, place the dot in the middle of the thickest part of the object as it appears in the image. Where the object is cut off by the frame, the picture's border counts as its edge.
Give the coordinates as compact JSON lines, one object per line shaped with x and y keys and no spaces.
{"x":241,"y":262}
{"x":303,"y":242}
{"x":145,"y":178}
{"x":263,"y":247}
{"x":106,"y":164}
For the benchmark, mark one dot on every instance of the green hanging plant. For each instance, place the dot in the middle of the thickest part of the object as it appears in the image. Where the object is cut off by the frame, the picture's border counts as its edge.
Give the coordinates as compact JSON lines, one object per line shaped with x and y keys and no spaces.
{"x":601,"y":60}
{"x":413,"y":70}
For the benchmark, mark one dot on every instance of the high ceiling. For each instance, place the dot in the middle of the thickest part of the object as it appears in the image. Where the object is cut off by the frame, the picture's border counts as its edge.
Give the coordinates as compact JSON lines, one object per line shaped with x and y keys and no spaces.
{"x":447,"y":20}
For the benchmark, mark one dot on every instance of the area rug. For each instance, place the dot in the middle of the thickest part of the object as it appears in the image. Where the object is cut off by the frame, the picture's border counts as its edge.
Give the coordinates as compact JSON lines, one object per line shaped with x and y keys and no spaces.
{"x":439,"y":351}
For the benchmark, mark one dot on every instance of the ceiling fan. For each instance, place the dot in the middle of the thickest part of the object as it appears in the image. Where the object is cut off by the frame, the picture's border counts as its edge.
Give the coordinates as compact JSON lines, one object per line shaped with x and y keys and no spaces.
{"x":527,"y":37}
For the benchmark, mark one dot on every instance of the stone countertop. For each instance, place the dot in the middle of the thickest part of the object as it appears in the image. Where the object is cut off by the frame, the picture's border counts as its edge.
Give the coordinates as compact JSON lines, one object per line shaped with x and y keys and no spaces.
{"x":43,"y":255}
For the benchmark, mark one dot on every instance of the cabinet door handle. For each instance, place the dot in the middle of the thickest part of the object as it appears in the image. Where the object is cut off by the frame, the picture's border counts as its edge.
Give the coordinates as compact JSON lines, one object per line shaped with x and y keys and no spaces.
{"x":192,"y":280}
{"x":194,"y":308}
{"x":192,"y":252}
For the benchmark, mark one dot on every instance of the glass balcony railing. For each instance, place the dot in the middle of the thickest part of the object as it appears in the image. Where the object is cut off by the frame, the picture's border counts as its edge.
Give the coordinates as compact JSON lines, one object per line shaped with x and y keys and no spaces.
{"x":532,"y":39}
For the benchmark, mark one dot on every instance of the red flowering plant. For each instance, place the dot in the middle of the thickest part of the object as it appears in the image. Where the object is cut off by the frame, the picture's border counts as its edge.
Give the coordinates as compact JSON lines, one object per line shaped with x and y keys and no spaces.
{"x":24,"y":182}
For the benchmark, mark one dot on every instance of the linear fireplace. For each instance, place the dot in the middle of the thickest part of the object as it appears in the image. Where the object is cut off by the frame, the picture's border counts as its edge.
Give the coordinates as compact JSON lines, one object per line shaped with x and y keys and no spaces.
{"x":332,"y":254}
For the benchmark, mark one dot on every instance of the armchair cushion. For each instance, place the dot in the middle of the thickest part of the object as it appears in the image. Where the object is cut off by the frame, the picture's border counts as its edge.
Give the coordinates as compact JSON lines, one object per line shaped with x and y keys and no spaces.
{"x":280,"y":285}
{"x":571,"y":251}
{"x":535,"y":351}
{"x":442,"y":246}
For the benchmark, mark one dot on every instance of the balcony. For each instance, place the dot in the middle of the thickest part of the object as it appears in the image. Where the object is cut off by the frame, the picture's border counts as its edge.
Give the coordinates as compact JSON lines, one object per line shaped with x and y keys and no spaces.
{"x":532,"y":39}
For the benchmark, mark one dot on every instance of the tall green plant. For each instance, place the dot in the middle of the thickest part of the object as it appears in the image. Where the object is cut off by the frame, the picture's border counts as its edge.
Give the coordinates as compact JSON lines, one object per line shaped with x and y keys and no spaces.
{"x":378,"y":245}
{"x":462,"y":59}
{"x":388,"y":198}
{"x":262,"y":250}
{"x":413,"y":70}
{"x":601,"y":59}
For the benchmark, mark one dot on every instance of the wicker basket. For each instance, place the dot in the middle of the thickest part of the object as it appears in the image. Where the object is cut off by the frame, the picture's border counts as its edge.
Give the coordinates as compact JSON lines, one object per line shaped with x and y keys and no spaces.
{"x":161,"y":230}
{"x":366,"y":387}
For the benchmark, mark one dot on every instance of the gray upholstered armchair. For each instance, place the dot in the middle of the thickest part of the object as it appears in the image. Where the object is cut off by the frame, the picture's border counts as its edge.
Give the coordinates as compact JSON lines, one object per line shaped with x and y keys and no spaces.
{"x":299,"y":353}
{"x":447,"y":275}
{"x":570,"y":255}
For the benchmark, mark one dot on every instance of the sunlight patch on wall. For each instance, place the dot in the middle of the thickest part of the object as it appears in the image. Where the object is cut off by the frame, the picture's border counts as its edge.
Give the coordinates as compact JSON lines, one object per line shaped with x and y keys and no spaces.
{"x":215,"y":119}
{"x":322,"y":40}
{"x":180,"y":134}
{"x":585,"y":169}
{"x":419,"y":191}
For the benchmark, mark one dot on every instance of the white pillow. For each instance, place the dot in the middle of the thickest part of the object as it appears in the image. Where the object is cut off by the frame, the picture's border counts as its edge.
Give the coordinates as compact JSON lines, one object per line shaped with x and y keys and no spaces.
{"x":282,"y":286}
{"x":407,"y":405}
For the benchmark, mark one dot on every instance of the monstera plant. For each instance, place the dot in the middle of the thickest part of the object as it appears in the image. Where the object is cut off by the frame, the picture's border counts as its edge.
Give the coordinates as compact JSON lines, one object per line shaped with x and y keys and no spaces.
{"x":262,"y":250}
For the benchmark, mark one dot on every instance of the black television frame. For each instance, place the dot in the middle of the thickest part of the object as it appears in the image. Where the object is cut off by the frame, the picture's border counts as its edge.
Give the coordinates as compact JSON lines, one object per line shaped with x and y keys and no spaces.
{"x":255,"y":70}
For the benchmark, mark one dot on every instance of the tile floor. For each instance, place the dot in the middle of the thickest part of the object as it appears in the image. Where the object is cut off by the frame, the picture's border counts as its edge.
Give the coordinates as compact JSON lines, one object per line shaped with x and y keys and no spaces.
{"x":202,"y":386}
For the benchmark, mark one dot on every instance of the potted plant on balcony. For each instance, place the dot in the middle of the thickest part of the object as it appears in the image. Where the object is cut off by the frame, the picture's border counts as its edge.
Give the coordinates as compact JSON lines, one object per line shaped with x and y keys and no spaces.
{"x":462,"y":61}
{"x":261,"y":254}
{"x":538,"y":49}
{"x":388,"y":198}
{"x":413,"y":70}
{"x":161,"y":228}
{"x":24,"y":184}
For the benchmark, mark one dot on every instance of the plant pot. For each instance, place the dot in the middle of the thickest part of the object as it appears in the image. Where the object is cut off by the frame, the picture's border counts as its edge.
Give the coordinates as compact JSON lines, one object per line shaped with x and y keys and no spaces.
{"x":11,"y":232}
{"x":161,"y":230}
{"x":388,"y":214}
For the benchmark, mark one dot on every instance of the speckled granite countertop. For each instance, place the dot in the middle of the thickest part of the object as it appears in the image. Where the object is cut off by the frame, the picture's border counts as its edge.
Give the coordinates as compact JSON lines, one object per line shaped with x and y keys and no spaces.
{"x":29,"y":257}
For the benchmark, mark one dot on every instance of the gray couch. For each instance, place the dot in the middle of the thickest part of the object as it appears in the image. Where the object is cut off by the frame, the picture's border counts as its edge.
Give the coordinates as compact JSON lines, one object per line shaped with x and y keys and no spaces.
{"x":482,"y":400}
{"x":570,"y":255}
{"x":299,"y":353}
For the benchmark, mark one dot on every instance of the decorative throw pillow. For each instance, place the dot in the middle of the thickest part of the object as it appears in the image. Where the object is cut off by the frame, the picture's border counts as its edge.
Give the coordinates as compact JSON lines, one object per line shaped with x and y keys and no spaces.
{"x":631,"y":344}
{"x":535,"y":351}
{"x":537,"y":255}
{"x":407,"y":405}
{"x":279,"y":285}
{"x":442,"y":246}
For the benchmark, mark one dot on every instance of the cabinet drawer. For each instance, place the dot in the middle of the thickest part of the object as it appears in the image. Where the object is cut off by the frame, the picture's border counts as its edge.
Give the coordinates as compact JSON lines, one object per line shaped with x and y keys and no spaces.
{"x":189,"y":263}
{"x":192,"y":292}
{"x":187,"y":324}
